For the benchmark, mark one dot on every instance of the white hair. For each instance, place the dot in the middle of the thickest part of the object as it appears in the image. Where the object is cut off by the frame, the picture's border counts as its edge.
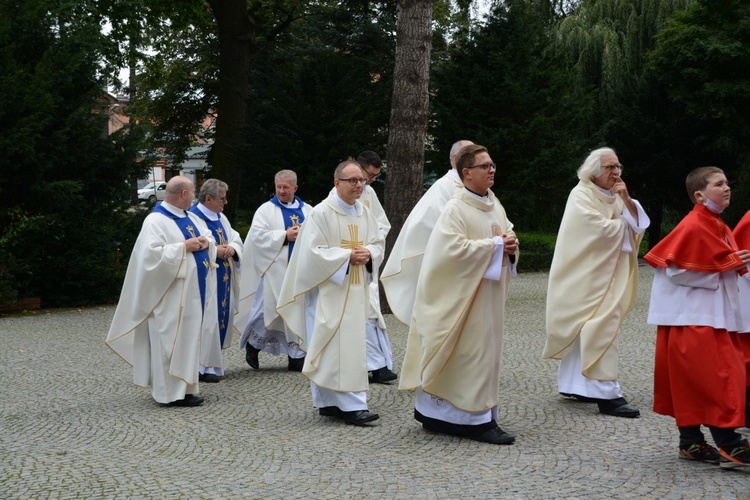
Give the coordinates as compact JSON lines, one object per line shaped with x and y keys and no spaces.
{"x":592,"y":166}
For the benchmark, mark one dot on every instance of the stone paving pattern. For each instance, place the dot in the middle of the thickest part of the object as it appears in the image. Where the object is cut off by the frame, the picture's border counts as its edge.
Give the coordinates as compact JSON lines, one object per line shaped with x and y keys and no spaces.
{"x":74,"y":426}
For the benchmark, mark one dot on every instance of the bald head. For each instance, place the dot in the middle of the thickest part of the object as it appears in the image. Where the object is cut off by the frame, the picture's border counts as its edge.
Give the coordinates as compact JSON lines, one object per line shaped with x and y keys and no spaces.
{"x":180,"y":192}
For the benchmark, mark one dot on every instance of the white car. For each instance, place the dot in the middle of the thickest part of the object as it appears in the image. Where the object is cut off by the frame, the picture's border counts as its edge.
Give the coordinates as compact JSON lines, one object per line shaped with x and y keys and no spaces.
{"x":152,"y":192}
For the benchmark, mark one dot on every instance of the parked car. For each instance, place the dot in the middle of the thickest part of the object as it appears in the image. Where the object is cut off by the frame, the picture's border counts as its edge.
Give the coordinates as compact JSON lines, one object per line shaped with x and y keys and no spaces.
{"x":152,"y":192}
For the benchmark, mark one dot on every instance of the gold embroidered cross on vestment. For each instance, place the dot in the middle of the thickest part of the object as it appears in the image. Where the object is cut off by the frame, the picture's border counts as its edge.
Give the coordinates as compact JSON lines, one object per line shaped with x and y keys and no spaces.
{"x":351,"y":244}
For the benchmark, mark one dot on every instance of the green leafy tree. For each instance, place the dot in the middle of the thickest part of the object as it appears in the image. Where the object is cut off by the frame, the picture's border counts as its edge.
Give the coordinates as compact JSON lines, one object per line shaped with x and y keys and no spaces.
{"x":63,"y":179}
{"x":499,"y":87}
{"x":702,"y":64}
{"x":605,"y":44}
{"x":319,"y":93}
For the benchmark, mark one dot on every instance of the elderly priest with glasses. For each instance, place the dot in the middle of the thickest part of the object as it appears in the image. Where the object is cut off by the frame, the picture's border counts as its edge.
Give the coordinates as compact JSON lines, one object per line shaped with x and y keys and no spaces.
{"x":592,"y":283}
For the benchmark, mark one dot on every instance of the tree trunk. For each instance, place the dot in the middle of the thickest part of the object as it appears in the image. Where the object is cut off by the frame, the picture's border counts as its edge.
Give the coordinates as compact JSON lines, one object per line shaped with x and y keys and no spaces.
{"x":409,"y":109}
{"x":236,"y":32}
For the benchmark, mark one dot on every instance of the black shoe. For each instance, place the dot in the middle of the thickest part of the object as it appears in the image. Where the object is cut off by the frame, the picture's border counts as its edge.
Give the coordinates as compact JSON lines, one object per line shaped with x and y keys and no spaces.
{"x":295,"y":365}
{"x":578,"y":397}
{"x":383,"y":375}
{"x":209,"y":378}
{"x":251,"y":356}
{"x":625,"y":411}
{"x":495,"y":436}
{"x":188,"y":400}
{"x":330,"y":411}
{"x":359,"y":417}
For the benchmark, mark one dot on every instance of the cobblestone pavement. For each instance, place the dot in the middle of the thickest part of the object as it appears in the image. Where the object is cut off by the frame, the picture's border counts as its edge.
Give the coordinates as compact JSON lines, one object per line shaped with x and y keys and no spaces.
{"x":74,"y":426}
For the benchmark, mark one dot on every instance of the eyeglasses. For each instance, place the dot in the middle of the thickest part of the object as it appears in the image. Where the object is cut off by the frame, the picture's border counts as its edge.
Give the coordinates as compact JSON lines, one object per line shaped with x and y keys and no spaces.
{"x":223,"y":198}
{"x":485,"y":166}
{"x":354,"y":180}
{"x":612,"y":168}
{"x":371,"y":175}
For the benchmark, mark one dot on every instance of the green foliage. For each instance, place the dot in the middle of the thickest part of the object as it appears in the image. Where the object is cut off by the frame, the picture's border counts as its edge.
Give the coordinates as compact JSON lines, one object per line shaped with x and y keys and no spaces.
{"x":498,"y":87}
{"x":605,"y":44}
{"x":318,"y":95}
{"x":536,"y":251}
{"x":63,"y":179}
{"x":702,"y":63}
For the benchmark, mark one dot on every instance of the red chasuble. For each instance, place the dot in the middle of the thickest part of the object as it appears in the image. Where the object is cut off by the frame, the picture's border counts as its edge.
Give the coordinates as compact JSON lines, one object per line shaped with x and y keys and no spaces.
{"x":699,"y":373}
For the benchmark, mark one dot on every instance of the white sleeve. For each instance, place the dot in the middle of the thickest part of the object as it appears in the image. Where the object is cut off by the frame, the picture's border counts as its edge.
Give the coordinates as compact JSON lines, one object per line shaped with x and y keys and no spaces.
{"x":695,"y":279}
{"x":643,"y":221}
{"x":340,"y":275}
{"x":495,"y":269}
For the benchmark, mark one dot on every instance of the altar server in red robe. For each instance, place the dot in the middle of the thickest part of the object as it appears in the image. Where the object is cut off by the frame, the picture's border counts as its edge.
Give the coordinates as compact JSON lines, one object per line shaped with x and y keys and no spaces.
{"x":699,"y":373}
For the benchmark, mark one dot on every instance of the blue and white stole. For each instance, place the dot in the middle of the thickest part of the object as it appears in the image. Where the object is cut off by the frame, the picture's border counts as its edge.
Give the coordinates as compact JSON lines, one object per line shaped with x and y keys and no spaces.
{"x":201,"y":256}
{"x":223,"y":273}
{"x":291,"y":216}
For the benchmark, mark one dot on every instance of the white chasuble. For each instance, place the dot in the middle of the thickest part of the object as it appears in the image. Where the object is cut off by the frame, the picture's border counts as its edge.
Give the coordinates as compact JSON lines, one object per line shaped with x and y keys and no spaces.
{"x":401,"y":271}
{"x":159,"y":320}
{"x":592,"y":282}
{"x":335,"y":341}
{"x":456,"y":334}
{"x":266,"y":259}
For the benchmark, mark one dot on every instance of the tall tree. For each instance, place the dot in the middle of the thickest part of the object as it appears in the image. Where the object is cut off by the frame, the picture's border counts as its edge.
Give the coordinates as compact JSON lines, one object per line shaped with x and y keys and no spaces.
{"x":236,"y":33}
{"x":63,"y":181}
{"x":319,"y":93}
{"x":702,"y":61}
{"x":605,"y":43}
{"x":409,"y":111}
{"x":498,"y":86}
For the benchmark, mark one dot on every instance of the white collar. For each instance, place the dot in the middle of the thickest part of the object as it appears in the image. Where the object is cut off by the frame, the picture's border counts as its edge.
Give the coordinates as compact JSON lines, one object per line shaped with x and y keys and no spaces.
{"x":345,"y":207}
{"x":208,"y":212}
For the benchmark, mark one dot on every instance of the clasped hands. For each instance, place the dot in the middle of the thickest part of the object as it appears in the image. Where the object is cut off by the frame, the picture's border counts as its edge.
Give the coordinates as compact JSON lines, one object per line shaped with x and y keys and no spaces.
{"x":510,"y":244}
{"x":359,"y":256}
{"x":225,"y":251}
{"x":196,"y":244}
{"x":292,"y":233}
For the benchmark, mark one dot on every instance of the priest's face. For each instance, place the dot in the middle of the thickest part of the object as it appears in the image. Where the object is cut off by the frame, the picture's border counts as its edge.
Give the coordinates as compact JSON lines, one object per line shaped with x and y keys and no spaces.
{"x":216,"y":204}
{"x":351,"y":183}
{"x":611,"y":170}
{"x":717,"y":190}
{"x":480,"y":177}
{"x":285,"y":189}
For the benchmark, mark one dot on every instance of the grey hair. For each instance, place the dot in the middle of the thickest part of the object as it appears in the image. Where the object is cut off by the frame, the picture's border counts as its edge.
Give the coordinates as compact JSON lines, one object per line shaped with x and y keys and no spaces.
{"x":211,"y":188}
{"x":592,"y":166}
{"x":285,"y":174}
{"x":457,"y":146}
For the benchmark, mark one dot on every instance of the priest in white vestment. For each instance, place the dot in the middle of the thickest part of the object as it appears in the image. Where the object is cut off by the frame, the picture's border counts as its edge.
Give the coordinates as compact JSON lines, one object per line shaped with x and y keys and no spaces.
{"x":168,"y":299}
{"x":379,"y":351}
{"x":593,"y":282}
{"x":270,"y":242}
{"x":211,"y":200}
{"x":452,"y":358}
{"x":325,"y":301}
{"x":401,"y":270}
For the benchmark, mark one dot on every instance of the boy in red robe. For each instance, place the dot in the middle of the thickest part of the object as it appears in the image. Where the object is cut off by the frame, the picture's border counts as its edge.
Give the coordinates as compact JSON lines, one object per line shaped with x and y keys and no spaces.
{"x":742,"y":237}
{"x":699,"y":372}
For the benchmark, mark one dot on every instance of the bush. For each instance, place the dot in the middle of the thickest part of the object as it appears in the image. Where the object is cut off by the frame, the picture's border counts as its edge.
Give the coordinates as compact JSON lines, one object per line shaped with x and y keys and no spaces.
{"x":536,"y":251}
